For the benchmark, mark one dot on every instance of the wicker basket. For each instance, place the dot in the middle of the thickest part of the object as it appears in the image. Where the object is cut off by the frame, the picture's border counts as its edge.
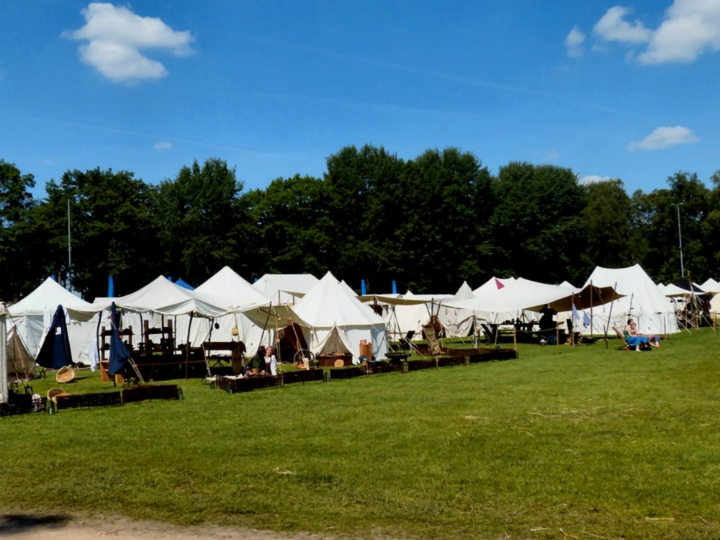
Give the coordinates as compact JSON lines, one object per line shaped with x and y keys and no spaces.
{"x":54,"y":393}
{"x":65,"y":374}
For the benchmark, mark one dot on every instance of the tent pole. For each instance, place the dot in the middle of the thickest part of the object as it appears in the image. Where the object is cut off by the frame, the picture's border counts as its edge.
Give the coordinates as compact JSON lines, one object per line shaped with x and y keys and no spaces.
{"x":572,"y":320}
{"x":591,"y":309}
{"x":515,"y":339}
{"x":187,"y":345}
{"x":607,"y":326}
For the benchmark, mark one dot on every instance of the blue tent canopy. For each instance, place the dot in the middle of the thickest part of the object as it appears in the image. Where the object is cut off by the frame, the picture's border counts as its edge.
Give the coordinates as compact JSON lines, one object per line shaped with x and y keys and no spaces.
{"x":55,"y":350}
{"x":184,"y":285}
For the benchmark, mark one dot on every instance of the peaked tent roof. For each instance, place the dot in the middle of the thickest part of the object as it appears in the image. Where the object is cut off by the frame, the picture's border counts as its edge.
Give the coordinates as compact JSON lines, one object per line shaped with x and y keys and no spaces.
{"x":516,"y":296}
{"x":463,"y":293}
{"x":635,"y":284}
{"x":164,"y":297}
{"x":227,"y":284}
{"x":491,"y":285}
{"x":328,"y":305}
{"x":711,"y":286}
{"x":47,"y":297}
{"x":291,"y":284}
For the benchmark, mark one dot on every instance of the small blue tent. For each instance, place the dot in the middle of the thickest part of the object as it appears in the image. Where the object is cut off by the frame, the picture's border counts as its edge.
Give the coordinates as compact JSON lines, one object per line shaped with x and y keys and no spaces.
{"x":181,"y":283}
{"x":55,"y":350}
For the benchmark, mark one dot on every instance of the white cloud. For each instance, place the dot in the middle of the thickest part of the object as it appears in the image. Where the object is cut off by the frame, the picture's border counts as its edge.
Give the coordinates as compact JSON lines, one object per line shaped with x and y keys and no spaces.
{"x":593,"y":179}
{"x":553,"y":155}
{"x":689,"y":29}
{"x":613,"y":27}
{"x":115,"y":38}
{"x":162,"y":145}
{"x":665,"y":137}
{"x":574,"y":42}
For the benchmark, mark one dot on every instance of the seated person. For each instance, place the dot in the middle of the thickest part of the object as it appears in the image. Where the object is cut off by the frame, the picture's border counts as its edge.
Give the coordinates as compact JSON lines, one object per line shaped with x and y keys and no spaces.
{"x":547,"y":322}
{"x":632,"y":332}
{"x":258,"y":364}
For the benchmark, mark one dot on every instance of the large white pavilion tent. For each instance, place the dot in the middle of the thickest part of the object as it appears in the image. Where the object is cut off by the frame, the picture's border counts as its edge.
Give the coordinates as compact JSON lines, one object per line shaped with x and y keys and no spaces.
{"x":328,"y":305}
{"x":642,"y":300}
{"x":33,"y":315}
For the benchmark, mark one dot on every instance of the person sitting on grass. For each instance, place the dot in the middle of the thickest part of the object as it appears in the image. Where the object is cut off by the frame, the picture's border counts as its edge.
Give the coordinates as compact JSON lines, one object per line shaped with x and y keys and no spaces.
{"x":632,"y":331}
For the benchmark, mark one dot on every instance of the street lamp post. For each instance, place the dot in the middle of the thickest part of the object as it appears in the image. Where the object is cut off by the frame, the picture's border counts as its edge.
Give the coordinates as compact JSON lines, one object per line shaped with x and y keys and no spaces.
{"x":682,"y":268}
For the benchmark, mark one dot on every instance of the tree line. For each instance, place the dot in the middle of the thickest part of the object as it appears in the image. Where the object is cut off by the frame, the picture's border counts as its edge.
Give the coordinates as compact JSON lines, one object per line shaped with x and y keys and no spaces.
{"x":428,"y":223}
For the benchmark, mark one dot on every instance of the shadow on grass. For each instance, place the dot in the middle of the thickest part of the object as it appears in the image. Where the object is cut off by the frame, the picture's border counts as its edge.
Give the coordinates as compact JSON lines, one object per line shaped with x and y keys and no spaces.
{"x":11,"y":524}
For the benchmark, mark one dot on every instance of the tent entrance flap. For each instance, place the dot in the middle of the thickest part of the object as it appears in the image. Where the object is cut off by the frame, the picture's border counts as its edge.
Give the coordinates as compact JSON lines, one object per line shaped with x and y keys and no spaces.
{"x":336,"y":341}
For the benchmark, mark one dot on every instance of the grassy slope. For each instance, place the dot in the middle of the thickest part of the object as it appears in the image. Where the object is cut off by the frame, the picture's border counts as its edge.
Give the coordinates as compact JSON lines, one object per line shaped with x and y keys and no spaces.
{"x":588,"y":441}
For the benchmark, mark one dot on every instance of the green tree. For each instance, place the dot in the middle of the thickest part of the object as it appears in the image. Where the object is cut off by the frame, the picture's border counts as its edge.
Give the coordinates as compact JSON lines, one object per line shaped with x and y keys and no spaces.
{"x":659,"y":222}
{"x":613,"y":240}
{"x":111,"y":230}
{"x":537,"y":223}
{"x":200,"y":218}
{"x":295,"y":230}
{"x":18,"y":251}
{"x":443,"y":233}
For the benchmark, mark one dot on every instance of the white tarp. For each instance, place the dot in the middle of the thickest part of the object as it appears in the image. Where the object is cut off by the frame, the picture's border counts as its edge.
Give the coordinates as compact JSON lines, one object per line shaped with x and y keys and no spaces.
{"x":489,"y":288}
{"x":329,"y":305}
{"x":411,"y":312}
{"x":515,"y":297}
{"x":20,"y":363}
{"x":285,"y":288}
{"x":33,"y":316}
{"x":166,"y":298}
{"x":643,"y":301}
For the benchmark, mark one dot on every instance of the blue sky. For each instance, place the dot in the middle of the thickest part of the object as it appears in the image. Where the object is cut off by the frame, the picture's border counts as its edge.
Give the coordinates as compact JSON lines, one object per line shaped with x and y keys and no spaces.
{"x":274,"y":87}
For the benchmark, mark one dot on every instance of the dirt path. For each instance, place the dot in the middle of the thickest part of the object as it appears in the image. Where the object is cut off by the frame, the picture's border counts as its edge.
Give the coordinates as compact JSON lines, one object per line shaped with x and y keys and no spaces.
{"x":39,"y":527}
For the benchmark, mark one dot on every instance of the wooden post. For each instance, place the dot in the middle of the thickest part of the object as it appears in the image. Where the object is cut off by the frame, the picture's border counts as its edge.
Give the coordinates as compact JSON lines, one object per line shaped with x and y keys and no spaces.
{"x":715,"y":322}
{"x":607,"y":326}
{"x":557,"y":336}
{"x":514,"y":339}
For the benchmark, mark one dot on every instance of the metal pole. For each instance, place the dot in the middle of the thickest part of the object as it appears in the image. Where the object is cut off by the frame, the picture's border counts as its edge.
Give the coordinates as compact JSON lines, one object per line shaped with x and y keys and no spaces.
{"x":682,"y":267}
{"x":69,"y":272}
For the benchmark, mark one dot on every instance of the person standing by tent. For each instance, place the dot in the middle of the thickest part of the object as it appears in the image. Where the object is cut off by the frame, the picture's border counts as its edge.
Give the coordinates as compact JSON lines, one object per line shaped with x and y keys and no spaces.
{"x":270,"y":360}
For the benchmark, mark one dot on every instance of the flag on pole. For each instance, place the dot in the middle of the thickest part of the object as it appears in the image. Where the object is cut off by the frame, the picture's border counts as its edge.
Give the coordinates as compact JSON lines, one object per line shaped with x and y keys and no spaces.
{"x":586,"y":320}
{"x":498,"y":284}
{"x":576,"y":315}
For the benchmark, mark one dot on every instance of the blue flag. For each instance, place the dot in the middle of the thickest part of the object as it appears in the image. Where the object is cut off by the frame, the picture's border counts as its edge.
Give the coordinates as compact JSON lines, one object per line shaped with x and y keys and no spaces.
{"x":586,"y":320}
{"x":576,"y":315}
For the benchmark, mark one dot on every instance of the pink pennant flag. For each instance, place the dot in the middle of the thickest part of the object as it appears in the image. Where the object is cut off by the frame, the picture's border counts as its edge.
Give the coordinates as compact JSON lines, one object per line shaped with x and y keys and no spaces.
{"x":499,"y":285}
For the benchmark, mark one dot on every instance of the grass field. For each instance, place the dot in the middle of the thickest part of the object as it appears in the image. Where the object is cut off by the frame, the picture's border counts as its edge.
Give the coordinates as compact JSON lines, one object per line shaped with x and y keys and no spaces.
{"x":587,"y":443}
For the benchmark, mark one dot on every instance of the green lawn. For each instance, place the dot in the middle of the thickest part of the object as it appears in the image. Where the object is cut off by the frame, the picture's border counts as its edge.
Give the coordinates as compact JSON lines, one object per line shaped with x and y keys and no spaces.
{"x":589,"y":442}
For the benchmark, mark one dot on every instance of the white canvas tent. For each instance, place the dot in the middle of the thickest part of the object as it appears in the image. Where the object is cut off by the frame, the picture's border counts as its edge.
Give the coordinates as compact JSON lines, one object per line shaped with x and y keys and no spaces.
{"x":336,"y":341}
{"x":457,"y":322}
{"x":20,"y":363}
{"x":642,"y":301}
{"x":237,"y":293}
{"x":713,"y":286}
{"x":413,"y":313}
{"x":285,"y":288}
{"x":489,"y":288}
{"x":33,"y":315}
{"x":248,"y":310}
{"x":328,"y":306}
